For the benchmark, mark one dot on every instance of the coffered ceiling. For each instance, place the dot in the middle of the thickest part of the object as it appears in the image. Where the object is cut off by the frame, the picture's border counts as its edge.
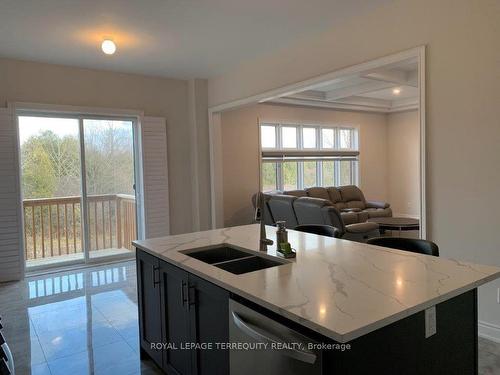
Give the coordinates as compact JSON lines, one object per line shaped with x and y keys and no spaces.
{"x":391,"y":88}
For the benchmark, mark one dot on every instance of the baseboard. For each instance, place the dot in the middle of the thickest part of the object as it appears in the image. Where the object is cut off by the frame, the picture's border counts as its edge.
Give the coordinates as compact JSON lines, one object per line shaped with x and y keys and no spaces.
{"x":489,"y":331}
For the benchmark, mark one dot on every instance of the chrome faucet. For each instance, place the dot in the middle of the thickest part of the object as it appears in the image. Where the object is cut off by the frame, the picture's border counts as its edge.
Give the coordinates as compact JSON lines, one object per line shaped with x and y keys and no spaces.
{"x":259,"y":216}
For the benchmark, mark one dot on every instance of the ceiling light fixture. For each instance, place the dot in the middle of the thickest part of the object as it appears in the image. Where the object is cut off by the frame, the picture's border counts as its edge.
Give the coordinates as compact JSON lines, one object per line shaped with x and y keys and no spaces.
{"x":396,"y":91}
{"x":108,"y":46}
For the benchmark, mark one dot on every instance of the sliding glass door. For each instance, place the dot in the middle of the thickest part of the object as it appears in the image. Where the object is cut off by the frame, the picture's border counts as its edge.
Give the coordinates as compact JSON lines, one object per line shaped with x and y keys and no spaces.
{"x":51,"y":188}
{"x":78,"y":187}
{"x":109,"y":185}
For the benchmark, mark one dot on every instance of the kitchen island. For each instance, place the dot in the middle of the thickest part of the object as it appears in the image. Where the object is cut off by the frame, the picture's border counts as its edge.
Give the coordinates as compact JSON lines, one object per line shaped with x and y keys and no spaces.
{"x":395,"y":312}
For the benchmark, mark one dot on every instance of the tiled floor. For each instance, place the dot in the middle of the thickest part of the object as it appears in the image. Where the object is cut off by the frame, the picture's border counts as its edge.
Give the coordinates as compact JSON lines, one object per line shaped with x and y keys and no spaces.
{"x":489,"y":357}
{"x":78,"y":322}
{"x":85,"y":322}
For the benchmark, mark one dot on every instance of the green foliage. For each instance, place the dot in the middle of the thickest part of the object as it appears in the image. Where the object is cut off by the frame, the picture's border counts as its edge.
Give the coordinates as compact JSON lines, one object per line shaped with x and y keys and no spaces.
{"x":51,"y":164}
{"x":38,"y":171}
{"x":328,"y":171}
{"x":290,"y":175}
{"x":268,"y":176}
{"x":309,"y":174}
{"x":345,"y":172}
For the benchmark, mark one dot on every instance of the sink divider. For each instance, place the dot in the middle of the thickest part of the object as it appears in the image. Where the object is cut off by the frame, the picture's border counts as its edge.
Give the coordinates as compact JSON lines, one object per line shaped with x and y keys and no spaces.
{"x":233,"y":260}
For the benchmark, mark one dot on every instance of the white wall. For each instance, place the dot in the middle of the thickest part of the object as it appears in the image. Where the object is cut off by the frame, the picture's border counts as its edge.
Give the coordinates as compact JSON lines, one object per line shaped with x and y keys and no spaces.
{"x":53,"y":84}
{"x":403,"y":164}
{"x":463,"y":115}
{"x":240,"y":157}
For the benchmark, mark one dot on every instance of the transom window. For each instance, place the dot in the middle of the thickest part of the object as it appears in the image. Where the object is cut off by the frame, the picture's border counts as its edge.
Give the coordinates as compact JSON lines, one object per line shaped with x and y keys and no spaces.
{"x":298,"y":156}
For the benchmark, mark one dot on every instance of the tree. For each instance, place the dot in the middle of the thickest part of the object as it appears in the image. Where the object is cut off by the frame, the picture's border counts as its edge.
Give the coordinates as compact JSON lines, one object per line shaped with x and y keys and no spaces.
{"x":50,"y":166}
{"x":51,"y":163}
{"x":109,"y":160}
{"x":38,"y":175}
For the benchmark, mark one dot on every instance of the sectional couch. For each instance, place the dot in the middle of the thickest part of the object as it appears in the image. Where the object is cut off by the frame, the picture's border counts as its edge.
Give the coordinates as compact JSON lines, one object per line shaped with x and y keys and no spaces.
{"x":349,"y":200}
{"x":344,"y":208}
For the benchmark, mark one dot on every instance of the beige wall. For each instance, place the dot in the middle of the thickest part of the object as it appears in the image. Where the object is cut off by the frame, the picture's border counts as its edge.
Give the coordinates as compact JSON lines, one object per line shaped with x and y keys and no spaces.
{"x":463,"y":115}
{"x":403,"y":153}
{"x":200,"y":153}
{"x":240,"y":144}
{"x":53,"y":84}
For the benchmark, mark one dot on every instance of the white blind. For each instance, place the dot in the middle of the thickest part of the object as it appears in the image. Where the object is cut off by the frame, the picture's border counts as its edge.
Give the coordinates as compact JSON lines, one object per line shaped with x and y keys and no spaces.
{"x":11,"y":246}
{"x":308,"y":155}
{"x":155,"y":176}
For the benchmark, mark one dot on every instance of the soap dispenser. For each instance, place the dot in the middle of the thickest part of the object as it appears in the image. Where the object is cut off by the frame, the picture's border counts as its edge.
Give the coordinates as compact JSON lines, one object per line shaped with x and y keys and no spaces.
{"x":283,"y":247}
{"x":281,"y":233}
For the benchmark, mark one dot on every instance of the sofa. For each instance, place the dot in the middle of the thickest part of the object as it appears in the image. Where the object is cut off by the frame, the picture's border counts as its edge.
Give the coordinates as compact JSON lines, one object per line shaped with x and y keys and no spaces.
{"x":308,"y":210}
{"x":349,"y":201}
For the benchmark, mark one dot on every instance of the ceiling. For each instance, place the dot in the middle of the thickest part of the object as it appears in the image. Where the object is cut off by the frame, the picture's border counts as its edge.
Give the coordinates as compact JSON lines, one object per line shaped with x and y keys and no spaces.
{"x":372,"y":90}
{"x":173,"y":38}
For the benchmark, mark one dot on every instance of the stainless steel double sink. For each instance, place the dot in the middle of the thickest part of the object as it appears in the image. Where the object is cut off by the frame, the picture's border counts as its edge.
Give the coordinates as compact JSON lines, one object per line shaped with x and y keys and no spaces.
{"x":234,"y":260}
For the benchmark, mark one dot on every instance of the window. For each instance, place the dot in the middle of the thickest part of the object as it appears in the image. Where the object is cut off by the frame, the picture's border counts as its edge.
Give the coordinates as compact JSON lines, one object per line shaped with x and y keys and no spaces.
{"x":268,"y":136}
{"x":290,"y":175}
{"x":269,"y":174}
{"x":289,"y":137}
{"x":347,"y":139}
{"x":302,"y":156}
{"x":328,"y":173}
{"x":310,"y":176}
{"x":309,"y":137}
{"x":328,"y":138}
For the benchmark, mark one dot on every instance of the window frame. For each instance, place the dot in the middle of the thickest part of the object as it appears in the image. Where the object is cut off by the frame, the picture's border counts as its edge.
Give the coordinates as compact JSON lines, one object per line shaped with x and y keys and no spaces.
{"x":278,"y":126}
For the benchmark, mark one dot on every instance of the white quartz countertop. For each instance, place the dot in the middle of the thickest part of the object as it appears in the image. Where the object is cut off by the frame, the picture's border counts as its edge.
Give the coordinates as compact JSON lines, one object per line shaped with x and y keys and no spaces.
{"x":341,"y":289}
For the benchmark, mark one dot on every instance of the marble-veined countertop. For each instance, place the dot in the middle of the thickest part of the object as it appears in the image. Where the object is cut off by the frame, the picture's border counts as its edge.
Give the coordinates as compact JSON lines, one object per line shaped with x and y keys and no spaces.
{"x":341,"y":289}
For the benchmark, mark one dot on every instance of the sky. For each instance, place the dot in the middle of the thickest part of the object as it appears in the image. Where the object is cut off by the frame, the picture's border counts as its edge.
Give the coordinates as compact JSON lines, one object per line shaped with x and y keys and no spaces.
{"x":29,"y":126}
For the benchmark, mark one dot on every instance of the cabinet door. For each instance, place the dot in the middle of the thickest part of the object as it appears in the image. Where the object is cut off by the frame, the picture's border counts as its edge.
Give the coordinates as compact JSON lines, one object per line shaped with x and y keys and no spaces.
{"x":174,"y":291}
{"x":209,"y":322}
{"x":148,"y":290}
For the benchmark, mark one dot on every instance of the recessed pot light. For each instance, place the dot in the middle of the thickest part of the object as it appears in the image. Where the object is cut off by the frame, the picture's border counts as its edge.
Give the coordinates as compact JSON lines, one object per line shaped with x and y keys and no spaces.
{"x":108,"y":46}
{"x":396,"y":91}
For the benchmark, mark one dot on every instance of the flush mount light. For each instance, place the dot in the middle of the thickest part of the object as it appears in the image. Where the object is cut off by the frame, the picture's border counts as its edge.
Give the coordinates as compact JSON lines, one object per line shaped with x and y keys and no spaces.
{"x":108,"y":46}
{"x":396,"y":91}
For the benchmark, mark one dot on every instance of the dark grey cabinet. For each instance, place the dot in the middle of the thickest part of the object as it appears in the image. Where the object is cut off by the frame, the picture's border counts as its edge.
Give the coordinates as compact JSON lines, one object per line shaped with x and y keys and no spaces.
{"x":148,"y":289}
{"x":176,"y":320}
{"x":180,"y":309}
{"x":209,"y":310}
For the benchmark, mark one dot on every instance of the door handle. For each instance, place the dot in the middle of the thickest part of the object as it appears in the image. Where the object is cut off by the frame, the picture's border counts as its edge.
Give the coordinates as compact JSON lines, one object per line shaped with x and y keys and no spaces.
{"x":155,"y":269}
{"x":261,"y":335}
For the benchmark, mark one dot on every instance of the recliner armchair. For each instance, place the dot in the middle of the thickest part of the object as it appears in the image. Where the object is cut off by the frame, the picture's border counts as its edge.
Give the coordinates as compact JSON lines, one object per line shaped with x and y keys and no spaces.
{"x":320,"y":211}
{"x":281,"y":209}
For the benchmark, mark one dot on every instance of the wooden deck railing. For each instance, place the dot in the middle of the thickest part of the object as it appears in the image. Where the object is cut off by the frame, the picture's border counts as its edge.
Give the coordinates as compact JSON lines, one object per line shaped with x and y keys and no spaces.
{"x":53,"y":226}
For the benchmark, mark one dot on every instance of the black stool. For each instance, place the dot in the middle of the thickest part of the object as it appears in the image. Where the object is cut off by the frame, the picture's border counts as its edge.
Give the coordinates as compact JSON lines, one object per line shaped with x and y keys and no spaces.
{"x":322,"y":230}
{"x":409,"y":244}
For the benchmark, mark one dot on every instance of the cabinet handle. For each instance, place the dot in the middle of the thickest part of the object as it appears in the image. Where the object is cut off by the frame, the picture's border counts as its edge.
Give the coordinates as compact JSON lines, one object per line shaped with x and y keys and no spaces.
{"x":155,"y":270}
{"x":184,"y":297}
{"x":191,"y":301}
